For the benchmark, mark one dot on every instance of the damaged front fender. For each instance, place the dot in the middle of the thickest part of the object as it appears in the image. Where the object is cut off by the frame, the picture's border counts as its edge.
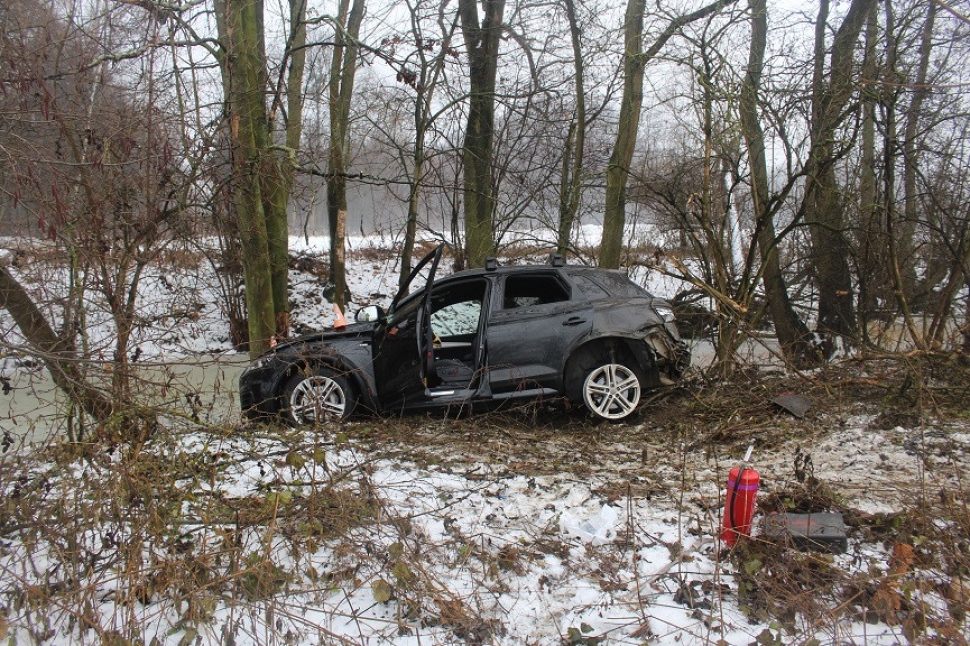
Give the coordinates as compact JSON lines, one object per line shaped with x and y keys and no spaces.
{"x":670,"y":355}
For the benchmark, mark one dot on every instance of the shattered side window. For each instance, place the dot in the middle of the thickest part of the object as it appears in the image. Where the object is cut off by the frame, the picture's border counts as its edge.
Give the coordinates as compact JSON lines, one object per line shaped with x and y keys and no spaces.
{"x":532,"y":290}
{"x":456,"y":309}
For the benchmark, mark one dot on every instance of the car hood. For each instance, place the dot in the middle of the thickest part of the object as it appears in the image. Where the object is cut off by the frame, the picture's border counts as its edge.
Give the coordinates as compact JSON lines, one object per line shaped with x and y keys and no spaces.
{"x":349,"y":332}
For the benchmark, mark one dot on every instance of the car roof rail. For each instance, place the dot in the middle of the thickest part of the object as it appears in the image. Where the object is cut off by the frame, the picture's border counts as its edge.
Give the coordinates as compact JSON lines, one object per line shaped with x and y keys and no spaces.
{"x":557,"y":260}
{"x":491,"y":264}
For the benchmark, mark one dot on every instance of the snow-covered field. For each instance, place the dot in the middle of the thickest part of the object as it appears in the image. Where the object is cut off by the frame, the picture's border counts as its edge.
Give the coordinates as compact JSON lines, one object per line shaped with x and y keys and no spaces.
{"x":523,"y":527}
{"x":456,"y":545}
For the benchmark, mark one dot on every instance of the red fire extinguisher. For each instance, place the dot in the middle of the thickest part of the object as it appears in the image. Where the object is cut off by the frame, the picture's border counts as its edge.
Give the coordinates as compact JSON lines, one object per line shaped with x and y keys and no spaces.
{"x":739,"y":501}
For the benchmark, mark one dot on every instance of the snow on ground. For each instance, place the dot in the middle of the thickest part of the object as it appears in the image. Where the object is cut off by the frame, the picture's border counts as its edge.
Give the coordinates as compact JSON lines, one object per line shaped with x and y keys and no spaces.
{"x":462,"y":551}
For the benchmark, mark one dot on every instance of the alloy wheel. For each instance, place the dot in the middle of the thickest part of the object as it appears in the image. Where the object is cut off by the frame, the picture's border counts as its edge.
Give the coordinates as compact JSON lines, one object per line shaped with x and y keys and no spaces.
{"x":612,"y":391}
{"x":316,"y":399}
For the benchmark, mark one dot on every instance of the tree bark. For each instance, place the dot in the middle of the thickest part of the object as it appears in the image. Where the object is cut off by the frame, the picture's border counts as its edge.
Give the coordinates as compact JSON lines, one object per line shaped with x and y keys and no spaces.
{"x":249,"y":133}
{"x":574,"y":155}
{"x":793,"y":334}
{"x":618,"y":169}
{"x":823,"y":202}
{"x":482,"y":44}
{"x":343,"y":70}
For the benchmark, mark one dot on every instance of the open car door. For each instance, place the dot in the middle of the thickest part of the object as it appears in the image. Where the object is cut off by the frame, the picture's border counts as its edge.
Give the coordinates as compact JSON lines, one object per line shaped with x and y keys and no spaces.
{"x":404,"y":341}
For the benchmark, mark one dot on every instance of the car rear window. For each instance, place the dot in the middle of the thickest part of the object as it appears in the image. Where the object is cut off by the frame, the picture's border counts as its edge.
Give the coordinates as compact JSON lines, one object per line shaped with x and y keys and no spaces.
{"x":531,"y":290}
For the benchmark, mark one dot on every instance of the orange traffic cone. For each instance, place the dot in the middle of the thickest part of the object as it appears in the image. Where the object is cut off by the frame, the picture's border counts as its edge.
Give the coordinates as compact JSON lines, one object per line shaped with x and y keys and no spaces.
{"x":340,"y":321}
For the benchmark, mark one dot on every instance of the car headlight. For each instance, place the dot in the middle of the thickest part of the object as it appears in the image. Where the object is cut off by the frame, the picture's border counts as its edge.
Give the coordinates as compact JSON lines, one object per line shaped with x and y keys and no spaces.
{"x":666,"y":312}
{"x":262,"y":361}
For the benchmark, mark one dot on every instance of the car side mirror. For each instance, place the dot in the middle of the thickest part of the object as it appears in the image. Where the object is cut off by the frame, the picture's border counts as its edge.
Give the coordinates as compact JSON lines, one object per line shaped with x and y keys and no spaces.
{"x":369,"y":313}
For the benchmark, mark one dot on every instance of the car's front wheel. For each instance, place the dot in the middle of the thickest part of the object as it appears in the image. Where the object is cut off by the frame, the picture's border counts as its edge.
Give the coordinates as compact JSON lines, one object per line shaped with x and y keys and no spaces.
{"x":323,"y":395}
{"x":611,"y":391}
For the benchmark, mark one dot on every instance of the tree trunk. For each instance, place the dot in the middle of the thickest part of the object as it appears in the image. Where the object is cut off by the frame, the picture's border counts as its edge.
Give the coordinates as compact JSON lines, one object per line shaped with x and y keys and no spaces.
{"x":618,"y":169}
{"x":343,"y":70}
{"x":55,"y":352}
{"x":279,"y":169}
{"x":889,"y":192}
{"x":249,"y":136}
{"x":911,"y":153}
{"x":411,"y":226}
{"x":482,"y":44}
{"x":823,"y":202}
{"x":869,"y":243}
{"x":713,"y":221}
{"x":614,"y":215}
{"x":430,"y":74}
{"x":574,"y":155}
{"x":793,"y":335}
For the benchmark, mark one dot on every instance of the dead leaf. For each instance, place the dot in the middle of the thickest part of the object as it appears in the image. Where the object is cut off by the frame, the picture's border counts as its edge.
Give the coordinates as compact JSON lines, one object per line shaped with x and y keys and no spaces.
{"x":381,"y":590}
{"x":957,"y":592}
{"x":295,"y":460}
{"x":902,"y":558}
{"x":403,"y":574}
{"x":887,"y":601}
{"x":452,"y":611}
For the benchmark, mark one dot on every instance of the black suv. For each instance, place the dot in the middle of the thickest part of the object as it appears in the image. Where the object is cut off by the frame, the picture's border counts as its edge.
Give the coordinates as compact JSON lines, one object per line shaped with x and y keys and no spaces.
{"x":479,"y":337}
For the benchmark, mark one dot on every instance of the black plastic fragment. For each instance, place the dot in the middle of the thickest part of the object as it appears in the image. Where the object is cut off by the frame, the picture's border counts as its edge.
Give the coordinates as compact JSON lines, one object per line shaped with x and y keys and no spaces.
{"x":795,"y":404}
{"x":823,"y":532}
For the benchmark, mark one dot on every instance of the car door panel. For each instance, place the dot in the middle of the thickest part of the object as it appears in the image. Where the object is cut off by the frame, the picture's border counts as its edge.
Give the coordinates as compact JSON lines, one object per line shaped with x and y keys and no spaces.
{"x":402,"y":343}
{"x":397,"y":362}
{"x":528,"y":346}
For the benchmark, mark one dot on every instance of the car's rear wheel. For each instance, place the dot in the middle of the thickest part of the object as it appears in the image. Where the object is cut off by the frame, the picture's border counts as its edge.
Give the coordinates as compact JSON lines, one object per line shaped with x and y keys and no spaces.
{"x":611,"y":391}
{"x":317,"y":397}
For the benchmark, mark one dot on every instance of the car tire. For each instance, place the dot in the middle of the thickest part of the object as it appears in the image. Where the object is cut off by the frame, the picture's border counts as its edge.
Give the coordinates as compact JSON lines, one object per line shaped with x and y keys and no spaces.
{"x":316,"y":397}
{"x":612,"y":390}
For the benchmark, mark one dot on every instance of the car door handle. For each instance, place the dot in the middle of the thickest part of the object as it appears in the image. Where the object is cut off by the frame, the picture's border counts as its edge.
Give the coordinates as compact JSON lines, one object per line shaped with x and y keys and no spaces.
{"x":574,"y":320}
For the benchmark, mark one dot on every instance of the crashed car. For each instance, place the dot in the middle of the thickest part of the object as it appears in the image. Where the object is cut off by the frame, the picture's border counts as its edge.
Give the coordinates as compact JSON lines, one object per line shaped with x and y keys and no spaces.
{"x":478,"y":338}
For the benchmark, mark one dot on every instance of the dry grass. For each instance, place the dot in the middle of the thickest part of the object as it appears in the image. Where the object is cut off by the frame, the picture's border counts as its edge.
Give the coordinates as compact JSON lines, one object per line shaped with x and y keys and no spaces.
{"x":95,"y":535}
{"x":102,"y":540}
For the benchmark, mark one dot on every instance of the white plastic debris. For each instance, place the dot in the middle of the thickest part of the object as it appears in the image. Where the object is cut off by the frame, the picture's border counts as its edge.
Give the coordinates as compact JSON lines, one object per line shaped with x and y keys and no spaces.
{"x":597,"y":530}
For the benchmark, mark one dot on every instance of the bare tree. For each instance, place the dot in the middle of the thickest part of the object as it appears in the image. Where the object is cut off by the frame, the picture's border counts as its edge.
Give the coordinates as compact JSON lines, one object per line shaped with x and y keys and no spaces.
{"x":824,"y":211}
{"x":870,"y":265}
{"x":280,"y":168}
{"x":911,"y":154}
{"x":241,"y":33}
{"x":634,"y":61}
{"x":482,"y":49}
{"x":422,"y":71}
{"x":97,"y":170}
{"x":343,"y":70}
{"x":793,"y":334}
{"x":574,"y":157}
